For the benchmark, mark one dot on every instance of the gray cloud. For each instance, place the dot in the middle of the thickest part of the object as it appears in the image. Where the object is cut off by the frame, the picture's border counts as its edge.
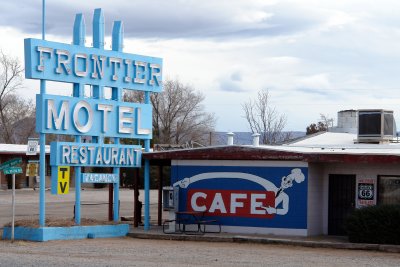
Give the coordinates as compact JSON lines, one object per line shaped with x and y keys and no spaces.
{"x":236,"y":76}
{"x":162,"y":19}
{"x":233,"y":83}
{"x":230,"y":86}
{"x":313,"y":91}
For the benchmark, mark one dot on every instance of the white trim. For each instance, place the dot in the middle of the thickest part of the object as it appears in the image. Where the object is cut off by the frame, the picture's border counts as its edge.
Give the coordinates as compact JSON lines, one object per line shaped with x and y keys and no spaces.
{"x":185,"y":182}
{"x":18,"y":149}
{"x":263,"y":230}
{"x":244,"y":163}
{"x":251,"y":230}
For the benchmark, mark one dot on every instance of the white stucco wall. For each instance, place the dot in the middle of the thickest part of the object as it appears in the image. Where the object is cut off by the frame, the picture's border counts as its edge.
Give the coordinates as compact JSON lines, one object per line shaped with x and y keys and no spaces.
{"x":318,"y":185}
{"x":315,"y":199}
{"x":360,"y":170}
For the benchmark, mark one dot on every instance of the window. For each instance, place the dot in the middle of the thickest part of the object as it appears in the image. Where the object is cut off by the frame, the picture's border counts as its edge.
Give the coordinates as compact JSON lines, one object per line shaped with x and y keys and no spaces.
{"x":389,"y":190}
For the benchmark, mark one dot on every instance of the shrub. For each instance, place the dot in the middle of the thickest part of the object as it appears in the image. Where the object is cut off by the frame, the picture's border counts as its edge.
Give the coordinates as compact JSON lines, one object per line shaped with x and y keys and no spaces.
{"x":375,"y":224}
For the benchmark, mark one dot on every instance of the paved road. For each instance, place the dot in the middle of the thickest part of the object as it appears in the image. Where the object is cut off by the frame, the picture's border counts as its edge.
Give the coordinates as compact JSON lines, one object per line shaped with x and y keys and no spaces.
{"x":61,"y":206}
{"x":136,"y":252}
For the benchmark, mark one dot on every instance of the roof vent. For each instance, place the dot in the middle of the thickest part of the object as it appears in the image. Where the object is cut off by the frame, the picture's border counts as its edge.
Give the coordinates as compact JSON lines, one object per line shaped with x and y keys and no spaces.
{"x":256,"y":139}
{"x":230,"y":138}
{"x":375,"y":126}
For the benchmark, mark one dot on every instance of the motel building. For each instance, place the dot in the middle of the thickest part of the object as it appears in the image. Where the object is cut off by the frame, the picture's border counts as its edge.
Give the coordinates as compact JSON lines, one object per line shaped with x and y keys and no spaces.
{"x":303,"y":188}
{"x":30,"y":166}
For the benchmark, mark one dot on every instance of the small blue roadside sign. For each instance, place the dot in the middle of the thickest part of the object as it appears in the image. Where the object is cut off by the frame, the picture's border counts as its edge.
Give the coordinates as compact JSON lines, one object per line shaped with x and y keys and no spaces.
{"x":12,"y":170}
{"x":100,"y":178}
{"x":10,"y":163}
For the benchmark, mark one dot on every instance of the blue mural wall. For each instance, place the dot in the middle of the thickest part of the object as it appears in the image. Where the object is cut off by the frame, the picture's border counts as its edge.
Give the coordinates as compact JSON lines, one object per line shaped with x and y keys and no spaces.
{"x":271,"y":197}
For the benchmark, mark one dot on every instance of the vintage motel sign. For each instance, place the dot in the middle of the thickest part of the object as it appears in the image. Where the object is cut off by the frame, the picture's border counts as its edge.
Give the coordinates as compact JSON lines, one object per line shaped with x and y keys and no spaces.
{"x":96,"y":117}
{"x":63,"y":175}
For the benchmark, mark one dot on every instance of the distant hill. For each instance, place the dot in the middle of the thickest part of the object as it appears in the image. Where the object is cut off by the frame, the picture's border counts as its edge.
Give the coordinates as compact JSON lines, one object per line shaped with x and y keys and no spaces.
{"x":242,"y":138}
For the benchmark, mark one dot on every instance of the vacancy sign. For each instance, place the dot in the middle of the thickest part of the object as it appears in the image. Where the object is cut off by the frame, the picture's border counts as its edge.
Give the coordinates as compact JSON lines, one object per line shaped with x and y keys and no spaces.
{"x":63,"y":180}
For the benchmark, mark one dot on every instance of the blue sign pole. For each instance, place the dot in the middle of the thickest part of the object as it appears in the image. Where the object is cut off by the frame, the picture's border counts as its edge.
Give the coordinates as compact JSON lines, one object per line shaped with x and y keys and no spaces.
{"x":117,"y":45}
{"x":43,"y":19}
{"x":147,"y":176}
{"x":98,"y":42}
{"x":42,"y":170}
{"x":78,"y":39}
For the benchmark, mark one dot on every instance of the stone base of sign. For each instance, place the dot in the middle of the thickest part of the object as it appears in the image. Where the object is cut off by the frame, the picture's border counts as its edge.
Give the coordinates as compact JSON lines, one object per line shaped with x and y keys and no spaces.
{"x":64,"y":233}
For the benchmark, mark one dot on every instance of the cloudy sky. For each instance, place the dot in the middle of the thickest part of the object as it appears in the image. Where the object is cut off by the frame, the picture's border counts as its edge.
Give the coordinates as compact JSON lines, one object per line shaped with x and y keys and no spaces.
{"x":313,"y":56}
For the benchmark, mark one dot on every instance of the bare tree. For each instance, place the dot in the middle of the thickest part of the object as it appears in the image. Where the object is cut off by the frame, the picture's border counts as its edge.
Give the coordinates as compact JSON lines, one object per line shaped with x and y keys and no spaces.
{"x":178,"y":114}
{"x":16,"y":114}
{"x":17,"y":120}
{"x":265,"y":119}
{"x":10,"y":75}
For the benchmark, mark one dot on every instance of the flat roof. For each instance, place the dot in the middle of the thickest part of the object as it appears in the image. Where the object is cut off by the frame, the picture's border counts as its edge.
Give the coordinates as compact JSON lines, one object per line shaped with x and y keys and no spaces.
{"x":18,"y":149}
{"x":321,"y":147}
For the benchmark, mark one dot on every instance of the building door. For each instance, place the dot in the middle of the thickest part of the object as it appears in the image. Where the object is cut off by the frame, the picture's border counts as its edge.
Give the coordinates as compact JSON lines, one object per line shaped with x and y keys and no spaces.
{"x":341,"y":202}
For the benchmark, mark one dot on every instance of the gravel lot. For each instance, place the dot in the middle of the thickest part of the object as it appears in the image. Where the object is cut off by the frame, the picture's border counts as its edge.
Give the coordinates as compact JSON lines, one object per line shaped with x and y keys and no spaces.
{"x":62,"y":206}
{"x":135,"y":252}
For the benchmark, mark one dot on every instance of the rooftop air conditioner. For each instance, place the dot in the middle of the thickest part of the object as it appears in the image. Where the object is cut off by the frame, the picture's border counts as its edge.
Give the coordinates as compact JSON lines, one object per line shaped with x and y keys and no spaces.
{"x":375,"y":125}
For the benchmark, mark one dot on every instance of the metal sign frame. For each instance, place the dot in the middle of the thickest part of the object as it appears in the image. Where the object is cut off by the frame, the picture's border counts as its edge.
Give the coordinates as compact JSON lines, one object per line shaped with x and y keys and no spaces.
{"x":96,"y":117}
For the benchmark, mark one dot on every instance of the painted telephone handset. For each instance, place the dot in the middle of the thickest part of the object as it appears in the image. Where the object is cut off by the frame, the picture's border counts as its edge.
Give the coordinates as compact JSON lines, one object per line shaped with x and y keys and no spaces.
{"x":281,"y":197}
{"x":184,"y":183}
{"x":269,"y":209}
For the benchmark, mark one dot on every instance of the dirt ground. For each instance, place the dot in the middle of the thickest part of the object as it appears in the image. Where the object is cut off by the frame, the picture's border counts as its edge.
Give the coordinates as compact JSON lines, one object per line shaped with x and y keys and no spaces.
{"x":136,"y":252}
{"x":68,"y":222}
{"x":62,"y":206}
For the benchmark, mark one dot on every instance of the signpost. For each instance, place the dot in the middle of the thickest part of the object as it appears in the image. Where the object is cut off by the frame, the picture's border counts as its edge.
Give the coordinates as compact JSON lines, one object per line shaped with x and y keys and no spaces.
{"x":9,"y":167}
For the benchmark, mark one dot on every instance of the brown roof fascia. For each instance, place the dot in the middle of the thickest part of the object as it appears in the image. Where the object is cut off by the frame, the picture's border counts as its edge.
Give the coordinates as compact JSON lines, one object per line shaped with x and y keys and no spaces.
{"x":254,"y":153}
{"x":224,"y":153}
{"x":351,"y":158}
